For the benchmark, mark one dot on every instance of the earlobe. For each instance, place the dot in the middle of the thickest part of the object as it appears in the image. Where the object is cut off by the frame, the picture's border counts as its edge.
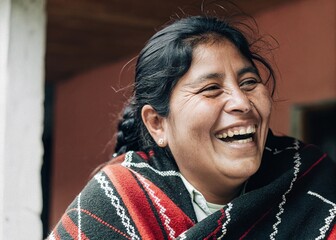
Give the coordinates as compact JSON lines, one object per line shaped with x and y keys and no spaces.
{"x":154,"y":124}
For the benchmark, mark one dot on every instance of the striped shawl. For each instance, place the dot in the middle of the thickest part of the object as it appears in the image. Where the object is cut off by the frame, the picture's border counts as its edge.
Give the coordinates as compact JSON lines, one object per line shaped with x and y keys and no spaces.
{"x":141,"y":196}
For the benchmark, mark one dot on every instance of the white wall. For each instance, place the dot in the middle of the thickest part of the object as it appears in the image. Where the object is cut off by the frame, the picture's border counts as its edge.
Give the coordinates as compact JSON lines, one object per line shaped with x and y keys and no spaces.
{"x":22,"y":48}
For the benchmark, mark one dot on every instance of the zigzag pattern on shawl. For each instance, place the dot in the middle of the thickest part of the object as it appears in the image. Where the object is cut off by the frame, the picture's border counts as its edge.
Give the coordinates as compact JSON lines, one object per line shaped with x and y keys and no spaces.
{"x":275,"y":151}
{"x":129,"y":163}
{"x":328,"y":220}
{"x":228,"y":219}
{"x":297,"y":163}
{"x":51,"y":236}
{"x":183,"y":236}
{"x":104,"y":184}
{"x":157,"y":200}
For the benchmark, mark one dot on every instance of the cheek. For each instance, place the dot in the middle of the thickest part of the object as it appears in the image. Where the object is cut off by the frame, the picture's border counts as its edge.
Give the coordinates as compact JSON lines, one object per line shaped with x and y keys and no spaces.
{"x":268,"y":104}
{"x":266,"y":107}
{"x":263,"y":103}
{"x":199,"y":112}
{"x":195,"y":119}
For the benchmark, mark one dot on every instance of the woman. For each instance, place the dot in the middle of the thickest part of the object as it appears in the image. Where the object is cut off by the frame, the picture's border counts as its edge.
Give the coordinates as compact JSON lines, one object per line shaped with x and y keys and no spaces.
{"x":195,"y":158}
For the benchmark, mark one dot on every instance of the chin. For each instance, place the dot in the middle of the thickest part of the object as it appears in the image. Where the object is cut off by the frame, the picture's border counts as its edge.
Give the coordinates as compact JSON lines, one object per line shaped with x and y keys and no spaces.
{"x":245,"y":169}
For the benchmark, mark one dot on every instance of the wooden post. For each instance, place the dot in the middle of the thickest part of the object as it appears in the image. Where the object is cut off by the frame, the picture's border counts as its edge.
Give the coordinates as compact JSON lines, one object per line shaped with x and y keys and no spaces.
{"x":22,"y":49}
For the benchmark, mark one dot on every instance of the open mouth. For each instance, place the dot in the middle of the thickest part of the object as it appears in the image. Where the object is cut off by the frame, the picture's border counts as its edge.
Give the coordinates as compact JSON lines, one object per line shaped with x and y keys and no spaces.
{"x":240,"y":135}
{"x":239,"y":138}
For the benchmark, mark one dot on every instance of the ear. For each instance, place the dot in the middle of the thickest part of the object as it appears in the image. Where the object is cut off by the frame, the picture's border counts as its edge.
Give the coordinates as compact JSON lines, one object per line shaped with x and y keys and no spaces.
{"x":154,"y":124}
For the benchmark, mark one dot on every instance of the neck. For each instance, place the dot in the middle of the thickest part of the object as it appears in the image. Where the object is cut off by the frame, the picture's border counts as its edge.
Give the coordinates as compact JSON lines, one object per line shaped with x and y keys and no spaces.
{"x":223,"y":197}
{"x":220,"y":193}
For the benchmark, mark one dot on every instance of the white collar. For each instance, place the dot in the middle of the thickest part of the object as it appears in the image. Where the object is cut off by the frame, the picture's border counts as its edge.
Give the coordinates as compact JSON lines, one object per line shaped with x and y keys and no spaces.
{"x":201,"y":206}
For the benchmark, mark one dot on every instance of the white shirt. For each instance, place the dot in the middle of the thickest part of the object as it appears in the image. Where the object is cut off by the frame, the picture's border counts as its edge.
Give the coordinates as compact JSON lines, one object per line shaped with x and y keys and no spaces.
{"x":202,"y":208}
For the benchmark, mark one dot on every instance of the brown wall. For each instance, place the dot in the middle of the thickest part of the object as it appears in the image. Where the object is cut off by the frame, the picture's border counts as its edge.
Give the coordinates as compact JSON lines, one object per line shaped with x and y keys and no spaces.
{"x":86,"y":113}
{"x":86,"y":106}
{"x":306,"y":58}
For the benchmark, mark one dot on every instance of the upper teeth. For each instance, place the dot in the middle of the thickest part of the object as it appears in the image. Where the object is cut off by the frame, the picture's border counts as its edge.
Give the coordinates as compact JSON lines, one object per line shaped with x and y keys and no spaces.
{"x":237,"y":131}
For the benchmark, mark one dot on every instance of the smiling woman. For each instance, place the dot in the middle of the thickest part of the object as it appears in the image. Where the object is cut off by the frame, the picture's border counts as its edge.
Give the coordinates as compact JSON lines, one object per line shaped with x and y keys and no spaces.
{"x":220,"y":84}
{"x":195,"y":158}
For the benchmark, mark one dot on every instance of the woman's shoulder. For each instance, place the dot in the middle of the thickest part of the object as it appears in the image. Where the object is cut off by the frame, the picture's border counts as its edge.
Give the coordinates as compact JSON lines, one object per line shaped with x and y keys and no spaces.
{"x":276,"y":142}
{"x":98,"y":210}
{"x":284,"y":144}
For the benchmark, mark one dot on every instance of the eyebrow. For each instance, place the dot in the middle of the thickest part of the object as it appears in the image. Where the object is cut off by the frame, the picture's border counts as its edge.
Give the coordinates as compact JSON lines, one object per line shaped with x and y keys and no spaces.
{"x":208,"y":76}
{"x":249,"y":69}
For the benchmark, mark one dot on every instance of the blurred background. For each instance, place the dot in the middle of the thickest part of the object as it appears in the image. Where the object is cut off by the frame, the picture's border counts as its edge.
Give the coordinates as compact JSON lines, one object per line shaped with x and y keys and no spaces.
{"x":85,"y":80}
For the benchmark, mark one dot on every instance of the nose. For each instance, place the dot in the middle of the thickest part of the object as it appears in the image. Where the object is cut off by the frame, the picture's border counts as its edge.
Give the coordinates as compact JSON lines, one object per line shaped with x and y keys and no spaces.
{"x":237,"y":102}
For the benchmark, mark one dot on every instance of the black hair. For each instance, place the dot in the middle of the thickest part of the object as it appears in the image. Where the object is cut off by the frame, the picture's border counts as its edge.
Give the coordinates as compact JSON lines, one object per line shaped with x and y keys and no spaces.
{"x":166,"y":57}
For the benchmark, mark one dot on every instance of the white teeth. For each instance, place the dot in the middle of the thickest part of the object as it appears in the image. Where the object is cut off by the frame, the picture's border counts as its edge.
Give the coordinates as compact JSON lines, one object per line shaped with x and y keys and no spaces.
{"x":249,"y":130}
{"x":244,"y":140}
{"x":242,"y":131}
{"x":230,"y":134}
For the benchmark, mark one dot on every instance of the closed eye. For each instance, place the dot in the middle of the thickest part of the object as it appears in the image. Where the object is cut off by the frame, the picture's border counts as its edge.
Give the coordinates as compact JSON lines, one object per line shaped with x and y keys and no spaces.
{"x":249,"y":84}
{"x":212,"y":90}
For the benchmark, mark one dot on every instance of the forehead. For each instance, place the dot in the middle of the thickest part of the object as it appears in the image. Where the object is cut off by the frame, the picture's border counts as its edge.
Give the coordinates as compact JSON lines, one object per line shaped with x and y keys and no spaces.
{"x":220,"y":49}
{"x":216,"y":59}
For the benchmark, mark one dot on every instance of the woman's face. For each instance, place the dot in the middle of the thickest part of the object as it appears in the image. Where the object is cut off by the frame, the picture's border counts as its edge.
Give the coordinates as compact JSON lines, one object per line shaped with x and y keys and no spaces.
{"x":218,"y":119}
